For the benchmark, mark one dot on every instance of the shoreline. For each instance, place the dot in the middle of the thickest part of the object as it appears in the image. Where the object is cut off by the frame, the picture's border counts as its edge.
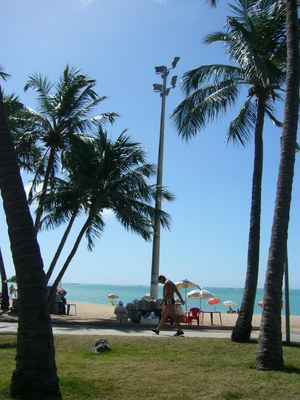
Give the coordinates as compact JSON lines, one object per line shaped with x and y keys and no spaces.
{"x":105,"y":312}
{"x":92,"y":313}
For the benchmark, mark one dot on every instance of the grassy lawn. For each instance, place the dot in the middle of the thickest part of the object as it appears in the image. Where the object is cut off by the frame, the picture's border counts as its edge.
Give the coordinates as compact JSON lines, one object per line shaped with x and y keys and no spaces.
{"x":161,"y":368}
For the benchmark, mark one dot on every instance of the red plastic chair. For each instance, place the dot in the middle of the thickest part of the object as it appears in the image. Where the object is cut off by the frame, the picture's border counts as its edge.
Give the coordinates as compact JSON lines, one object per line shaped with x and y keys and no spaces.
{"x":185,"y":319}
{"x":194,"y":314}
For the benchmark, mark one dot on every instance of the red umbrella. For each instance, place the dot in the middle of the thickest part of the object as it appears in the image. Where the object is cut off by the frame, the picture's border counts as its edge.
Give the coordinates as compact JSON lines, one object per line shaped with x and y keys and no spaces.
{"x":260,"y":303}
{"x":213,"y":301}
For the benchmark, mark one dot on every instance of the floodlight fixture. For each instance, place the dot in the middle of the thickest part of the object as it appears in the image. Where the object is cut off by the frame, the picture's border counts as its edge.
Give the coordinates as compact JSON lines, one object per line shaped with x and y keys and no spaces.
{"x":160,"y":69}
{"x":173,"y":81}
{"x":175,"y":61}
{"x":157,"y":87}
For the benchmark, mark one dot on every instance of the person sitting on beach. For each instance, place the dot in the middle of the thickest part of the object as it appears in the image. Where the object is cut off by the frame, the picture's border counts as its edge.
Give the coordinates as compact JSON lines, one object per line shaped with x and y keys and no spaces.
{"x":230,"y":311}
{"x":169,"y":305}
{"x":121,"y":312}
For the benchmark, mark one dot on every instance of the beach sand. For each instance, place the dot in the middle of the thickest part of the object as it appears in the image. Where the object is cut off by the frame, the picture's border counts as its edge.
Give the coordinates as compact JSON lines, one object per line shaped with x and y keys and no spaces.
{"x":104,"y":312}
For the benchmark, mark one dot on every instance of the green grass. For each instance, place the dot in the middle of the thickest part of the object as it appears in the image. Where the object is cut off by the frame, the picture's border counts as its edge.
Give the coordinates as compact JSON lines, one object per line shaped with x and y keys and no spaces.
{"x":161,"y":368}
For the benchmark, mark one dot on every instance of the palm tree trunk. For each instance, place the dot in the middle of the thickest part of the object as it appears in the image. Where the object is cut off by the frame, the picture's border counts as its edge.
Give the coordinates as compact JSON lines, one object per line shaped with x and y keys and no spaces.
{"x":35,"y":376}
{"x":243,"y":327}
{"x":70,"y":256}
{"x":4,"y":295}
{"x":40,"y":207}
{"x":269,"y":355}
{"x":61,"y":246}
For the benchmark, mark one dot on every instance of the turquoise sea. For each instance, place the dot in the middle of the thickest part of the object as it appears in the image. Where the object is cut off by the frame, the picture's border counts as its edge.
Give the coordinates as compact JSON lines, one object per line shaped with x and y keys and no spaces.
{"x":97,"y":293}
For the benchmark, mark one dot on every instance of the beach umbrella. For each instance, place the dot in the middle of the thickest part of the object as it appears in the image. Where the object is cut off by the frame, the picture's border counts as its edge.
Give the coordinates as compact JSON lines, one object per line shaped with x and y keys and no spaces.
{"x":213,"y":301}
{"x":61,"y":291}
{"x":113,"y":296}
{"x":200,"y":294}
{"x":229,"y":303}
{"x":186,"y":284}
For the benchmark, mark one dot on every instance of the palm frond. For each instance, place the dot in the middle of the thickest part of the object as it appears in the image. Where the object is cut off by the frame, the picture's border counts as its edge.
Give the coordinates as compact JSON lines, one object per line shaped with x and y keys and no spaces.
{"x":3,"y":75}
{"x":270,"y":109}
{"x":194,"y":79}
{"x":95,"y":231}
{"x":242,"y":127}
{"x":203,"y":106}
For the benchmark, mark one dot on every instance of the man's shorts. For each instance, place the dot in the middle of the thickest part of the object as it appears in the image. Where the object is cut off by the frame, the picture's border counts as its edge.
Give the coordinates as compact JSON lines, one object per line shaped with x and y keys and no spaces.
{"x":169,"y":301}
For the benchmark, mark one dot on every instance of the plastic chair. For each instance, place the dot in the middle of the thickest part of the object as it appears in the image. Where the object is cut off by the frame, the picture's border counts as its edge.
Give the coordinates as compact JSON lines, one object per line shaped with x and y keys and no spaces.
{"x":194,"y":314}
{"x":185,"y":319}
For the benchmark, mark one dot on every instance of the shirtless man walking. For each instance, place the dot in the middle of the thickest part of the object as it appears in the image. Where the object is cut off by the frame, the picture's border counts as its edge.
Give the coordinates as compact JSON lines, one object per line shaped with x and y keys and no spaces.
{"x":168,"y":303}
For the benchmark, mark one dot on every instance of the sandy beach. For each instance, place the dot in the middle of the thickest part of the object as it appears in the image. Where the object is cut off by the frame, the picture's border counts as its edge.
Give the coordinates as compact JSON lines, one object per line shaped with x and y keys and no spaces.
{"x":105,"y":312}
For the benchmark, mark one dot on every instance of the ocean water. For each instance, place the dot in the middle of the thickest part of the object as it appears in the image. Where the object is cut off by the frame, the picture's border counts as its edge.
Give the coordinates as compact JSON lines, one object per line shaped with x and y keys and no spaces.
{"x":97,"y":293}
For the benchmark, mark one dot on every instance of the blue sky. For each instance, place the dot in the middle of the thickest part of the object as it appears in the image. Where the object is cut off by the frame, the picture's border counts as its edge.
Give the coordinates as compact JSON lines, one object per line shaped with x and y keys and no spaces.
{"x":118,"y":43}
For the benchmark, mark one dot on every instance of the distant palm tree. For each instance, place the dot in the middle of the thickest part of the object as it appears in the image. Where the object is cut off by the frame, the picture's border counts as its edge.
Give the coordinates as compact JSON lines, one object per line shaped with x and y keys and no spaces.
{"x":112,"y":176}
{"x":255,"y":39}
{"x":35,"y":375}
{"x":64,"y":111}
{"x":269,"y":355}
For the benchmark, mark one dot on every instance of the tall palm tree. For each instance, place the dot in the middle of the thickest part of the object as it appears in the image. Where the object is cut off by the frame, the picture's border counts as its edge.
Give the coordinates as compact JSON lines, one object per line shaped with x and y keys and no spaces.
{"x":4,"y":288}
{"x":269,"y":355}
{"x":114,"y":177}
{"x":255,"y":39}
{"x":35,"y":375}
{"x":23,"y":131}
{"x":64,"y":111}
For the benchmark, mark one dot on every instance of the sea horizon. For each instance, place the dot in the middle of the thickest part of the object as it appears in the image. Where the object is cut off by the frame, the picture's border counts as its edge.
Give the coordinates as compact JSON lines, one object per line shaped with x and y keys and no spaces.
{"x":98,"y":294}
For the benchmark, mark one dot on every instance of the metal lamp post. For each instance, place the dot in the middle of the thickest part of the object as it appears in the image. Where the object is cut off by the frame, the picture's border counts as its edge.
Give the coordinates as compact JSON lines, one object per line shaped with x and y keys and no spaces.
{"x":164,"y":91}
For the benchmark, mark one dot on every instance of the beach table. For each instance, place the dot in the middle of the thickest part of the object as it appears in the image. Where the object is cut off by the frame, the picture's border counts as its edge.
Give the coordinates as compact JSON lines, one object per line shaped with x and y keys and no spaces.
{"x":69,"y":305}
{"x":211,"y":316}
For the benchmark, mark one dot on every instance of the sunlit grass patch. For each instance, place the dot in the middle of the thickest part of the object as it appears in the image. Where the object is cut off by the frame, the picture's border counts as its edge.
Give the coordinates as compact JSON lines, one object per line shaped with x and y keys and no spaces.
{"x":163,"y":368}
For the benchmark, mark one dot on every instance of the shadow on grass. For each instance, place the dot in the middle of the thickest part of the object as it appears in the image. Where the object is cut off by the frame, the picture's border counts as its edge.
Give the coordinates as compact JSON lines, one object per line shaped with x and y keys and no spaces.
{"x":76,"y":388}
{"x":8,"y":345}
{"x":292,"y":370}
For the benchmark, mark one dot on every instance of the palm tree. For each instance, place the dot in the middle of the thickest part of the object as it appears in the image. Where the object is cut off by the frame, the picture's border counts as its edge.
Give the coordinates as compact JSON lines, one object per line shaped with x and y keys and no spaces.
{"x":269,"y":355}
{"x":35,"y":375}
{"x":23,"y":131}
{"x":64,"y":111}
{"x":4,"y":289}
{"x":113,"y":177}
{"x":255,"y":39}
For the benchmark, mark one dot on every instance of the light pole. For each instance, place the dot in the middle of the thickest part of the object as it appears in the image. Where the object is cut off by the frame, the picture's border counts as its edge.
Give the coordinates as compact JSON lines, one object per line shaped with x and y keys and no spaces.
{"x":164,"y":91}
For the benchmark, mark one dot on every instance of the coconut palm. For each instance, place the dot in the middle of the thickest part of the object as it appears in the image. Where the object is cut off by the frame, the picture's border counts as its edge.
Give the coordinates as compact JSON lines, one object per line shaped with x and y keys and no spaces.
{"x":64,"y":111}
{"x":113,"y":176}
{"x":67,"y":199}
{"x":23,"y":131}
{"x":269,"y":355}
{"x":35,"y":376}
{"x":255,"y":40}
{"x":4,"y":289}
